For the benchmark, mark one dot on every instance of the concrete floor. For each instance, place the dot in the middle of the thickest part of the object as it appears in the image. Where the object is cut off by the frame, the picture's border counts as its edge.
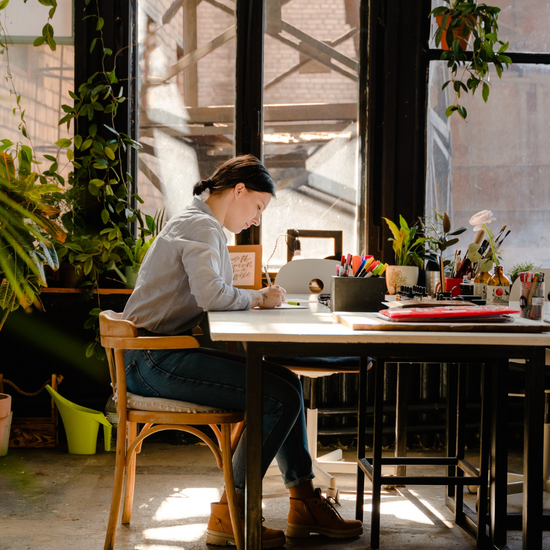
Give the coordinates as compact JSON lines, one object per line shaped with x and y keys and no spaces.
{"x":50,"y":500}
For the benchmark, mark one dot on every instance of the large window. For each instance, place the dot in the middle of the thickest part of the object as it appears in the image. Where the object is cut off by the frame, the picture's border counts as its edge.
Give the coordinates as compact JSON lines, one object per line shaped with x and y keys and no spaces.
{"x":186,"y":97}
{"x":310,"y":130}
{"x":186,"y":110}
{"x":498,"y":159}
{"x":40,"y":76}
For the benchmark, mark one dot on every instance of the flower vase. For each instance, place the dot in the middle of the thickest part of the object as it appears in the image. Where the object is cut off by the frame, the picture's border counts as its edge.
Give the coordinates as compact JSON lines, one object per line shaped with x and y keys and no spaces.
{"x":498,"y":288}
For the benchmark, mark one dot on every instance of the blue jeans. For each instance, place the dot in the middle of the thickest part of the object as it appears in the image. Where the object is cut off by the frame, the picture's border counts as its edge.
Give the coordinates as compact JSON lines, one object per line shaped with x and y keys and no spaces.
{"x":211,"y":377}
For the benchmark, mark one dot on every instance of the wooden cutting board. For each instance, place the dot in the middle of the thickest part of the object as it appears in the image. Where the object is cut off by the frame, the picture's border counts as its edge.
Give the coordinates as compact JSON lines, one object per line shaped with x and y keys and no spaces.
{"x":371,"y":321}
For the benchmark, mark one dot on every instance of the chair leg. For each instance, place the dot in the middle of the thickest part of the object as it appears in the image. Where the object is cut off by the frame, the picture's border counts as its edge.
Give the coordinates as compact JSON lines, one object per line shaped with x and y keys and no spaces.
{"x":117,"y":487}
{"x":230,"y":487}
{"x":130,"y":477}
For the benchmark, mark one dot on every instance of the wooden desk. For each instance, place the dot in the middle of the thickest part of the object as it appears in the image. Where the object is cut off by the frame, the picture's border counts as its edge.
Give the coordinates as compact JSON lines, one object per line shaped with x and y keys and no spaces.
{"x":313,"y":332}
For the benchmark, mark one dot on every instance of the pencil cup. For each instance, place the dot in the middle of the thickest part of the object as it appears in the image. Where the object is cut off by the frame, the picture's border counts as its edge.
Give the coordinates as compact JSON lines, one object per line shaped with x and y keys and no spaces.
{"x":357,"y":293}
{"x":531,"y":301}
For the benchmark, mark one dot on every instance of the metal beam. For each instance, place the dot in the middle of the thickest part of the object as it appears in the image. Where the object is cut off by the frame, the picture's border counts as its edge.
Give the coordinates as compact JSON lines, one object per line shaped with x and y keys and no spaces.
{"x":321,"y":46}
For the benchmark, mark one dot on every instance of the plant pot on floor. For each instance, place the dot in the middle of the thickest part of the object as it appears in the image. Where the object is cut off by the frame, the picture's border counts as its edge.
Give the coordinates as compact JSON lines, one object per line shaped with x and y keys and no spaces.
{"x":400,"y":275}
{"x":5,"y":416}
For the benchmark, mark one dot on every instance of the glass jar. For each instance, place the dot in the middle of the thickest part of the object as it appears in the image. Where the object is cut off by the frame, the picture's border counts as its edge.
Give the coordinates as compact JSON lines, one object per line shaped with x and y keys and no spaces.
{"x":498,"y":288}
{"x":480,"y":284}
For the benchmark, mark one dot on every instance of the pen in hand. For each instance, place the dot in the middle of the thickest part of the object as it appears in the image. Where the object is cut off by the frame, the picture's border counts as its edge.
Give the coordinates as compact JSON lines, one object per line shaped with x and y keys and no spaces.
{"x":267,"y":276}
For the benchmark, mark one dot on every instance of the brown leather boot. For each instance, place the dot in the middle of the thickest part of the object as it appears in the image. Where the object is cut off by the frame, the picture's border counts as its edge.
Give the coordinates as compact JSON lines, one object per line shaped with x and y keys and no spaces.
{"x":318,"y":515}
{"x":220,"y":530}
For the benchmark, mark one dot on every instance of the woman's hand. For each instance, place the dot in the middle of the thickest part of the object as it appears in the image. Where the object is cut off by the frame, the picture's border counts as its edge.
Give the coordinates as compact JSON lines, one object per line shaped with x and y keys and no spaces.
{"x":269,"y":297}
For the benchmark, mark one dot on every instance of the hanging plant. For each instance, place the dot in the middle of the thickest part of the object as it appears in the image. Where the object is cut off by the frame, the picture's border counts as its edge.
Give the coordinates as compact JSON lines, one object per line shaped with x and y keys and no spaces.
{"x":457,"y":22}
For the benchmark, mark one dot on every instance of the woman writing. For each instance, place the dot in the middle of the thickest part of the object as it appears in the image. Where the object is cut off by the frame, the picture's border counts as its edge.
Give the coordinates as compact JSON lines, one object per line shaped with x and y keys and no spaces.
{"x":186,"y":272}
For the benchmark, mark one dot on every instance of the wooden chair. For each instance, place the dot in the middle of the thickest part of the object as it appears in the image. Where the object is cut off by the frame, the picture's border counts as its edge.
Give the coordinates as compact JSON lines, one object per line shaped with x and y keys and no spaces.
{"x":116,"y":336}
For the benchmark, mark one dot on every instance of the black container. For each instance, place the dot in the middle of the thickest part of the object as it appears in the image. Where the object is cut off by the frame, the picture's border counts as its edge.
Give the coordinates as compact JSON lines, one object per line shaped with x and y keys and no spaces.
{"x":357,"y":293}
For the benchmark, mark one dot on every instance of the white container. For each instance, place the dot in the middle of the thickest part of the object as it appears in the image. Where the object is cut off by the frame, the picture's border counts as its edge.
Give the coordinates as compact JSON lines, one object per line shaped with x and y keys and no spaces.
{"x":400,"y":275}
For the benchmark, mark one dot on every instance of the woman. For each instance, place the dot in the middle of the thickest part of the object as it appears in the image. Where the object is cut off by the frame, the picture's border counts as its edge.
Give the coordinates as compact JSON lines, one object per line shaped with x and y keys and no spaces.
{"x":186,"y":272}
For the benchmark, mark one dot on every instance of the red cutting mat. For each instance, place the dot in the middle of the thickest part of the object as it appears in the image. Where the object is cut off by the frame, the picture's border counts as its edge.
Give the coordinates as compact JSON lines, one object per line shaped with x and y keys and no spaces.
{"x":417,"y":313}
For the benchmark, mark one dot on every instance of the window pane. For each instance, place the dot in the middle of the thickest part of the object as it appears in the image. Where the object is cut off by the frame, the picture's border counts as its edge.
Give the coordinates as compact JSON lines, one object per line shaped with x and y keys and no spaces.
{"x":523,"y":23}
{"x":43,"y":79}
{"x":497,"y":160}
{"x":310,"y":128}
{"x":186,"y":79}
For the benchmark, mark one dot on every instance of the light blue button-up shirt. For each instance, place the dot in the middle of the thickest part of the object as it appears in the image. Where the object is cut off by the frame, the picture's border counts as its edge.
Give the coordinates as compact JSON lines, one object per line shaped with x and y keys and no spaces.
{"x":186,"y":272}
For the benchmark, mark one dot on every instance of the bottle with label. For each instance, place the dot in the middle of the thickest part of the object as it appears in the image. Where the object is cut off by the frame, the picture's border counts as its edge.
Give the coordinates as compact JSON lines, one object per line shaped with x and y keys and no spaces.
{"x":498,"y":288}
{"x":480,"y":284}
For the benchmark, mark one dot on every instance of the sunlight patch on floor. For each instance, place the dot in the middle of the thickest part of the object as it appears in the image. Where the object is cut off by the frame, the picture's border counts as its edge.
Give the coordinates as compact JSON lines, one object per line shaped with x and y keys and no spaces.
{"x":186,"y":503}
{"x":180,"y":533}
{"x":404,"y":510}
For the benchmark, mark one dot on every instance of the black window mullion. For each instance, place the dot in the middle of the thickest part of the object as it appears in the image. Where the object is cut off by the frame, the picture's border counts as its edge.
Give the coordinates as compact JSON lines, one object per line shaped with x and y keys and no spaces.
{"x":249,"y":89}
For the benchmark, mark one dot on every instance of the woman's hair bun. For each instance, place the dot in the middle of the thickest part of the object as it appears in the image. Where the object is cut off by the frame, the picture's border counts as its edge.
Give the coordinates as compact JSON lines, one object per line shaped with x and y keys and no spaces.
{"x":202,"y":186}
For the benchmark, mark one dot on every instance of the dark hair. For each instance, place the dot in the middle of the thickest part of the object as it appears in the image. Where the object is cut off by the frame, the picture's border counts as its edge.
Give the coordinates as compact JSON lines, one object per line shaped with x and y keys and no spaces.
{"x":245,"y":169}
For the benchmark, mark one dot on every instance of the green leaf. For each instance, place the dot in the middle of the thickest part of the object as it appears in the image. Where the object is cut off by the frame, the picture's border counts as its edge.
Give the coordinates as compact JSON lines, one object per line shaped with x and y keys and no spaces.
{"x":86,"y":144}
{"x":3,"y":4}
{"x":97,"y":182}
{"x":104,"y":216}
{"x":39,"y":41}
{"x":100,"y":23}
{"x":485,"y":92}
{"x":462,"y":112}
{"x":77,"y":141}
{"x":62,"y":143}
{"x":450,"y":110}
{"x":51,"y":43}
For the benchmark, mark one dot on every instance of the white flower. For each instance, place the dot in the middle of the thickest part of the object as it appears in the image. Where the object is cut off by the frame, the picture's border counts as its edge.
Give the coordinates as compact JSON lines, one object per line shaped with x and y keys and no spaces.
{"x":481,"y":218}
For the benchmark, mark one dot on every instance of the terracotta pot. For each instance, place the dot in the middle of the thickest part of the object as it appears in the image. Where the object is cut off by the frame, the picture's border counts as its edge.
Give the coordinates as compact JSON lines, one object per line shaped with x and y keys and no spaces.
{"x":5,"y":410}
{"x":398,"y":275}
{"x":458,"y":32}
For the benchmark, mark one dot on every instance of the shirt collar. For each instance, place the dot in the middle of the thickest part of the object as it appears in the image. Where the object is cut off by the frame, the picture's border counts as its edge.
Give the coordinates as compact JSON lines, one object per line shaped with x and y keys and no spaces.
{"x":203,"y":207}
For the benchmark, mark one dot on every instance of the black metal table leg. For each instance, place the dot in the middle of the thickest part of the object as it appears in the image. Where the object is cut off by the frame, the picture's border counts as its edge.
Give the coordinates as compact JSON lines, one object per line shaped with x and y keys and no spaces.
{"x":532,"y":458}
{"x":377,"y":452}
{"x":402,"y":402}
{"x":361,"y":428}
{"x":253,"y":491}
{"x":451,"y":424}
{"x":499,"y":452}
{"x":485,"y":446}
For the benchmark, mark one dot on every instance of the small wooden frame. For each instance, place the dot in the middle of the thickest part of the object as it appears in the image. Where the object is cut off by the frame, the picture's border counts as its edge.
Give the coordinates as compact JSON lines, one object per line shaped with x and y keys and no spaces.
{"x":247,"y":265}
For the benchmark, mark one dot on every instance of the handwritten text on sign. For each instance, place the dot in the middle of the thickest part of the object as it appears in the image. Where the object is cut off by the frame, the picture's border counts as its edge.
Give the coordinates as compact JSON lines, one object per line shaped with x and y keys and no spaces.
{"x":243,"y":268}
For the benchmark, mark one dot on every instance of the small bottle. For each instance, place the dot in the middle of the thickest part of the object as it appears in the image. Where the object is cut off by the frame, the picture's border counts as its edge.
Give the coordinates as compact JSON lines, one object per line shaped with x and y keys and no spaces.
{"x":480,"y":284}
{"x":498,"y":288}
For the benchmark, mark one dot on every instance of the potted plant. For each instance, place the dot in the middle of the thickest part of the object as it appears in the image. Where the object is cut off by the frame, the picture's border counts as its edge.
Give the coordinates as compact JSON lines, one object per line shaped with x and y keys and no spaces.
{"x":27,"y":230}
{"x":456,"y":22}
{"x":438,"y":238}
{"x":408,"y":248}
{"x":137,"y":248}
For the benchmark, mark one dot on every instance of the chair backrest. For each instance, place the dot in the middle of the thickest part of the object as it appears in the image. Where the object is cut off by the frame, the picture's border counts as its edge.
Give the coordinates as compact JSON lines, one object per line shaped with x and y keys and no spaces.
{"x":515,"y":291}
{"x":118,"y":334}
{"x":305,"y":276}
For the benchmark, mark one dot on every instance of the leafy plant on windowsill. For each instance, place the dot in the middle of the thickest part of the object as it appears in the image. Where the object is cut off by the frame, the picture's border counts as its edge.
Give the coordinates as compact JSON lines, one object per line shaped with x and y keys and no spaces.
{"x":458,"y":20}
{"x":439,"y":237}
{"x":408,"y":245}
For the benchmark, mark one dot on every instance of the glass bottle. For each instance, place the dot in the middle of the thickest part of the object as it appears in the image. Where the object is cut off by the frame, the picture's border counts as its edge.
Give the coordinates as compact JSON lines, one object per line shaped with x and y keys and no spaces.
{"x":480,"y":284}
{"x":498,"y":288}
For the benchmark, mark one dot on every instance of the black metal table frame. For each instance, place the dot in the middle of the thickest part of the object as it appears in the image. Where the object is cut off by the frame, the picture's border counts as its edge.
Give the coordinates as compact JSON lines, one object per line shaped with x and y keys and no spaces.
{"x":493,"y":355}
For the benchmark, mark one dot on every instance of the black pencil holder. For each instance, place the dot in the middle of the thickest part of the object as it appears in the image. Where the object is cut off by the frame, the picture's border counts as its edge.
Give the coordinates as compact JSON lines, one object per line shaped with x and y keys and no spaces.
{"x":357,"y":293}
